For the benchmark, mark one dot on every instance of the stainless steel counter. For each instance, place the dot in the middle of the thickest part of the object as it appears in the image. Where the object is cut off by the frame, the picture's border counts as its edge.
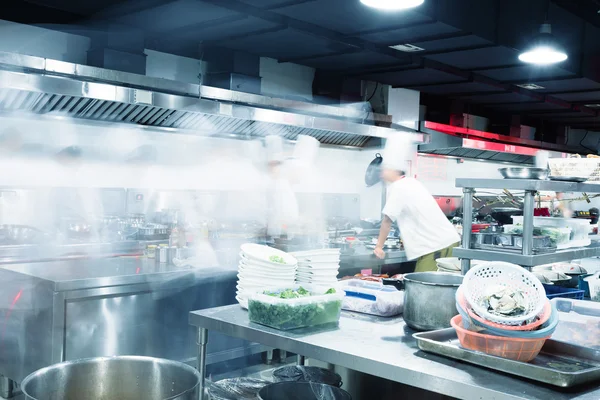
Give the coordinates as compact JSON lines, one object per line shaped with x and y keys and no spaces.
{"x":66,"y":275}
{"x":70,"y":309}
{"x":385,"y":348}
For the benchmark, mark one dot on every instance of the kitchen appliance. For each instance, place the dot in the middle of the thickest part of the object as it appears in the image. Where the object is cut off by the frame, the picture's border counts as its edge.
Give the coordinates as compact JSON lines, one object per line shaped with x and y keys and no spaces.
{"x":429,"y":298}
{"x":123,"y":378}
{"x":592,"y":214}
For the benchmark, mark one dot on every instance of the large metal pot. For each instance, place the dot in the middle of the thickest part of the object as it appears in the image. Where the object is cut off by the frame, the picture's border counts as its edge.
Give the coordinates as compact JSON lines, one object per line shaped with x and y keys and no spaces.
{"x":114,"y":378}
{"x":429,"y":299}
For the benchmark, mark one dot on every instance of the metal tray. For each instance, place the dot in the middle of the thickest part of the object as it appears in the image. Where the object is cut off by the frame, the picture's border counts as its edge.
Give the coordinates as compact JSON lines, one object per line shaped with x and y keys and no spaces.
{"x":567,"y":179}
{"x":559,"y":364}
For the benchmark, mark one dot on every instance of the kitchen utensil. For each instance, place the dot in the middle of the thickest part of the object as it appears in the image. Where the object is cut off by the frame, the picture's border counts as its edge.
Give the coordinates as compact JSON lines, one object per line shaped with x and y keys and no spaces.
{"x":568,"y":179}
{"x":372,"y":176}
{"x":300,"y":373}
{"x":302,"y":391}
{"x":518,"y":349}
{"x":123,"y":378}
{"x":524,"y":173}
{"x":558,"y":364}
{"x":469,"y":317}
{"x":479,"y":279}
{"x":429,"y":298}
{"x":579,"y":323}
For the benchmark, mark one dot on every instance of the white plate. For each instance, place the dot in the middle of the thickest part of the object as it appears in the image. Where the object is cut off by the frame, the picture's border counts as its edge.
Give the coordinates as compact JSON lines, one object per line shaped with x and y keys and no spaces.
{"x":317,"y":275}
{"x":323,"y":265}
{"x":264,"y":279}
{"x":260,"y":264}
{"x":264,"y":282}
{"x":249,"y":264}
{"x":262,"y":271}
{"x":262,"y":253}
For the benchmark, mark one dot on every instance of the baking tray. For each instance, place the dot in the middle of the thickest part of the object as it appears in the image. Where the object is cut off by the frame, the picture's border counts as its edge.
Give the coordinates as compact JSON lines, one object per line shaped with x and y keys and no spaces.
{"x":567,"y":179}
{"x":559,"y":364}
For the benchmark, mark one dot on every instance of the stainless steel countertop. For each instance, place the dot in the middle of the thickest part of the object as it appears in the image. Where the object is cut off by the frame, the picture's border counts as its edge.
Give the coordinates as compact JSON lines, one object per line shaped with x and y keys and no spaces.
{"x":92,"y":273}
{"x":384,"y":347}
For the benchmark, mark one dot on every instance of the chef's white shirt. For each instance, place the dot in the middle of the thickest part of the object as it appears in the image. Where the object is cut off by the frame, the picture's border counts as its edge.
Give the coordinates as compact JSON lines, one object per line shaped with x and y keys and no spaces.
{"x":424,"y":227}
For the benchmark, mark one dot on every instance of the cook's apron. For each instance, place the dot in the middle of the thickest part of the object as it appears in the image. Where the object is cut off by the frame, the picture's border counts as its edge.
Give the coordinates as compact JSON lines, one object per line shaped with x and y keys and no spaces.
{"x":427,"y":262}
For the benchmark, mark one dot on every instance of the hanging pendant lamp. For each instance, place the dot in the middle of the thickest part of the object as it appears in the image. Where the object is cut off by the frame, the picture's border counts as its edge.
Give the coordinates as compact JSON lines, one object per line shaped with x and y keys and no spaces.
{"x":544,"y":49}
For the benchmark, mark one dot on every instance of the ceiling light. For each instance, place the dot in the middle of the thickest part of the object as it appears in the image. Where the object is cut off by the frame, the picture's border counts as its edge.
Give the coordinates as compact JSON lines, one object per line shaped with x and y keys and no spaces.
{"x":544,"y":49}
{"x":392,"y":5}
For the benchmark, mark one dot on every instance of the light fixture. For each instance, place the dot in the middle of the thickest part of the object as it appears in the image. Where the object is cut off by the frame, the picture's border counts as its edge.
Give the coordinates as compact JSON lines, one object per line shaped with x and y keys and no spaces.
{"x":392,"y":5}
{"x":544,"y":49}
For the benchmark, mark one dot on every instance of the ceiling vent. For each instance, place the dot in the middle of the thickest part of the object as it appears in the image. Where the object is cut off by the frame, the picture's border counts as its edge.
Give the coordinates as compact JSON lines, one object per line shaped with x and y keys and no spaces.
{"x":530,"y":86}
{"x":407,"y":48}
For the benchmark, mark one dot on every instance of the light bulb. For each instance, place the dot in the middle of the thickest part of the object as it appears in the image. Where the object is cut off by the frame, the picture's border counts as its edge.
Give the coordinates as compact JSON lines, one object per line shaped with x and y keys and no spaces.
{"x":392,"y":5}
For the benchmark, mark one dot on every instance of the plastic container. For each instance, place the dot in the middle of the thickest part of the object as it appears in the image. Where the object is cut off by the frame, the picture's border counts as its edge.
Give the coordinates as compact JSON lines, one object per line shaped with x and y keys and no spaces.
{"x":540,"y":319}
{"x":518,"y":349}
{"x":553,"y":291}
{"x":293,"y":313}
{"x":579,"y":228}
{"x":579,"y":322}
{"x":372,"y":298}
{"x":594,"y":286}
{"x":299,"y":373}
{"x":302,"y":391}
{"x":496,"y":273}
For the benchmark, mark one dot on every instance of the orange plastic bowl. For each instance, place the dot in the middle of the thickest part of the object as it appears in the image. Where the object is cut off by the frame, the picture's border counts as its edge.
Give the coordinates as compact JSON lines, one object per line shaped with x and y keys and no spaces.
{"x":513,"y":348}
{"x":542,"y":317}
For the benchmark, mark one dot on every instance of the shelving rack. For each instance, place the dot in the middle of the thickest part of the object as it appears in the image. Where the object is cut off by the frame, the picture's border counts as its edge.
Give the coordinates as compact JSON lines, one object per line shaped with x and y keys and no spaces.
{"x":526,"y":258}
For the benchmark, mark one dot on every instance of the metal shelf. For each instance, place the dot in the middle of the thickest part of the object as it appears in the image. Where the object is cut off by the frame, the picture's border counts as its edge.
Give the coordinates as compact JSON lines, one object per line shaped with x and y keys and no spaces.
{"x":528,"y":260}
{"x":526,"y":184}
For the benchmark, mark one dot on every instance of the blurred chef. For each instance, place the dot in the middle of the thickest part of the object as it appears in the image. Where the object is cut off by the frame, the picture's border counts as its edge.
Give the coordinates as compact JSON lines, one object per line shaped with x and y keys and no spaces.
{"x":425,"y":231}
{"x":282,"y":206}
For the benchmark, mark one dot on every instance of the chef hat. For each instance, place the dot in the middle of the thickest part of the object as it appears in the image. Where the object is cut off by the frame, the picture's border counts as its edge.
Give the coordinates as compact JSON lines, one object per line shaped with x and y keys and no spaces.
{"x":274,"y":146}
{"x":398,"y":151}
{"x":306,"y":149}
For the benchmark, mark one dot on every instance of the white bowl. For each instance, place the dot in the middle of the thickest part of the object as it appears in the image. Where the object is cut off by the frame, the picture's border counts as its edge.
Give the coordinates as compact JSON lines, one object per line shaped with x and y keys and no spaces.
{"x":271,"y":271}
{"x":265,"y":282}
{"x":262,"y":253}
{"x":260,"y":264}
{"x":252,"y":265}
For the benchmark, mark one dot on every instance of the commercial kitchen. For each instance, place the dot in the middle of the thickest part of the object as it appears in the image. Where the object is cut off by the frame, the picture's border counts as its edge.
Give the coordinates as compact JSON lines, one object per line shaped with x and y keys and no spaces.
{"x":196,"y":198}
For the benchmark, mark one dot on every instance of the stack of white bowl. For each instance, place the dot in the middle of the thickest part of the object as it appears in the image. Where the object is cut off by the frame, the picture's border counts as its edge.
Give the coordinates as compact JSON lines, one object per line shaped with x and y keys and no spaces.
{"x":260,"y":268}
{"x":317,"y":267}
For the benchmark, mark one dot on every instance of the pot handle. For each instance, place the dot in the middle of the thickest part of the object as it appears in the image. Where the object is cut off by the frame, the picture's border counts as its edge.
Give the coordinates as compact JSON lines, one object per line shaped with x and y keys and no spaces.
{"x":397,"y":283}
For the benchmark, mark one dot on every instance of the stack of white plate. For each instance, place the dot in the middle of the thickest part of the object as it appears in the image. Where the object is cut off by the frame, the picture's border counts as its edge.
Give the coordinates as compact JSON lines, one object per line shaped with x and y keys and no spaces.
{"x":261,"y":267}
{"x":318,"y":267}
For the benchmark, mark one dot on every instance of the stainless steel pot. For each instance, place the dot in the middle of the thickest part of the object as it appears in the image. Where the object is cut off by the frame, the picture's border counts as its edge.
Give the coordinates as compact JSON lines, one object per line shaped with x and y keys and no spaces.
{"x":114,"y":378}
{"x":429,"y":299}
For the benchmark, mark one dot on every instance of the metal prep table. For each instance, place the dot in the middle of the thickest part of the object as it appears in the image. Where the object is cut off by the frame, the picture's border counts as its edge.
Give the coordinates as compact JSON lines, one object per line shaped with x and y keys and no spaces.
{"x":70,"y":309}
{"x":382,"y":347}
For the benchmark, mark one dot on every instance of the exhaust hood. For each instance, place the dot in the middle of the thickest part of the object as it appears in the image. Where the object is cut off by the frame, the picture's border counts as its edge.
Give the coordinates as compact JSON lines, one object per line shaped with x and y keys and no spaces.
{"x":41,"y":86}
{"x":455,"y":141}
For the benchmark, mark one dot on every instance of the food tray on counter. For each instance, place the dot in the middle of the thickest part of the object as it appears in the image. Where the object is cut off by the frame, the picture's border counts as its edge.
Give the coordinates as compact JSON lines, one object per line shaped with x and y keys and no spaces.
{"x":558,"y":364}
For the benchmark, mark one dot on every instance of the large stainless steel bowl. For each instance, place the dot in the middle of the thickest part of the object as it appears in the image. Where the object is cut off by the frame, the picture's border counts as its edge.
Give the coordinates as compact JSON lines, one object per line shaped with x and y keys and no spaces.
{"x":524,"y":173}
{"x":114,"y":378}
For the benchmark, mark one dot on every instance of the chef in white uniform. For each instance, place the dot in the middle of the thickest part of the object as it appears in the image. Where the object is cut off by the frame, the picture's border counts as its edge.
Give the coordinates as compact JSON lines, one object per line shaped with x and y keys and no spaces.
{"x":425,"y":231}
{"x":282,"y":213}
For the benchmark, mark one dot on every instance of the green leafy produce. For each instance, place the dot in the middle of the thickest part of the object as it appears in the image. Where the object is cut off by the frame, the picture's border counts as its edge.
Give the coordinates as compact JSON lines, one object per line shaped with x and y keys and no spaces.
{"x":290,"y":316}
{"x":556,"y":235}
{"x":277,"y":259}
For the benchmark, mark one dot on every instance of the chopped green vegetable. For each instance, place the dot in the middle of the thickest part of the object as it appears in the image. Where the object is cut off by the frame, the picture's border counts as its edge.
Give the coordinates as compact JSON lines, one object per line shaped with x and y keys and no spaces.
{"x":277,"y":259}
{"x":289,"y":316}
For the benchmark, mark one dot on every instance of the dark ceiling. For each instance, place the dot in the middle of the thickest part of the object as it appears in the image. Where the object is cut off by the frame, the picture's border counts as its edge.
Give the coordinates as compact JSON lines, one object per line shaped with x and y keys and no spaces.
{"x":469,"y":57}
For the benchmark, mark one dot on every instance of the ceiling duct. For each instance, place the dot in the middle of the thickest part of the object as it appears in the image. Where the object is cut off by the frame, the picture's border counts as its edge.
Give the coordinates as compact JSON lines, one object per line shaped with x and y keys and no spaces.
{"x":462,"y":142}
{"x":41,"y":86}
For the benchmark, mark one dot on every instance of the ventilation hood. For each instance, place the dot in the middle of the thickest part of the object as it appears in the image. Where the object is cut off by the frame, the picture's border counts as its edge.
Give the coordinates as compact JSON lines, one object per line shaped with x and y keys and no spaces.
{"x":41,"y":86}
{"x":455,"y":141}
